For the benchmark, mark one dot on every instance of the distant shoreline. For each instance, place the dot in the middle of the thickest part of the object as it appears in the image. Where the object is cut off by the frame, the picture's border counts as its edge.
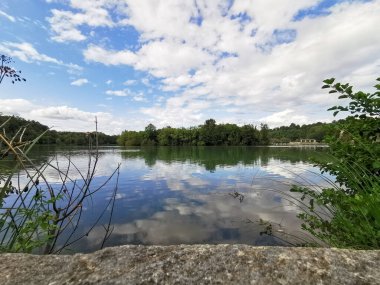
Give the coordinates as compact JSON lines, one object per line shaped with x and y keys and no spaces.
{"x":299,"y":145}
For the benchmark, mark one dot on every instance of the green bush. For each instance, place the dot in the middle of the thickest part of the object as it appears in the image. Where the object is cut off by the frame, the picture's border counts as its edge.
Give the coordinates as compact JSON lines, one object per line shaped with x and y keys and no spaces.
{"x":347,"y":214}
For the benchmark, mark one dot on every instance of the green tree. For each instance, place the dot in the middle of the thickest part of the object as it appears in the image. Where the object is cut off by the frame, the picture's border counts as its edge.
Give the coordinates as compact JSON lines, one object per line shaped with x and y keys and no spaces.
{"x":130,"y":138}
{"x":208,"y":132}
{"x":250,"y":135}
{"x":150,"y":135}
{"x":165,"y":136}
{"x":264,"y":134}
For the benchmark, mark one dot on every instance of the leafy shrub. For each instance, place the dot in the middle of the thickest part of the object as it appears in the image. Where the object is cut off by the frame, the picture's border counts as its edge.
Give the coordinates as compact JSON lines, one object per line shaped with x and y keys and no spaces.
{"x":347,"y":214}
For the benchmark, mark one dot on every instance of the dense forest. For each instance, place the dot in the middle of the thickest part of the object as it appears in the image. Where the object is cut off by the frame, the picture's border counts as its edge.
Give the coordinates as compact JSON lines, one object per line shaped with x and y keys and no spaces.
{"x":33,"y":129}
{"x":208,"y":134}
{"x":294,"y":132}
{"x":213,"y":134}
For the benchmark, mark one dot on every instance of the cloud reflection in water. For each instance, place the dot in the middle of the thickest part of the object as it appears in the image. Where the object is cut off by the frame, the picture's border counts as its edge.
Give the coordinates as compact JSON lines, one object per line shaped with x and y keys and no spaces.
{"x":173,"y":199}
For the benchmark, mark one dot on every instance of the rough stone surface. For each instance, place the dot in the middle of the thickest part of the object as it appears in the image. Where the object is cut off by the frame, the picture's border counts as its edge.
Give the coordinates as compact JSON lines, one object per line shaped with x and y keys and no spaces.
{"x":195,"y":264}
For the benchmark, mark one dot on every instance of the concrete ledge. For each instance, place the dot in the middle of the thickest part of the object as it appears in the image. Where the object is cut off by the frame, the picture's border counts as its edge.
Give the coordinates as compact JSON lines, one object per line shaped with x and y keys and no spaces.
{"x":195,"y":264}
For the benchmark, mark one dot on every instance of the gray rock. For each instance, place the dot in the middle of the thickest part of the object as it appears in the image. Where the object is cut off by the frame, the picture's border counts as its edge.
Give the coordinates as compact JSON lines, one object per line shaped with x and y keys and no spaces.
{"x":195,"y":264}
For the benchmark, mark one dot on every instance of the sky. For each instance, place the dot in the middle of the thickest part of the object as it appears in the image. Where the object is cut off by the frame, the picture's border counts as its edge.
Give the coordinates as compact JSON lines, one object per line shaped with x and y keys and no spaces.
{"x":180,"y":62}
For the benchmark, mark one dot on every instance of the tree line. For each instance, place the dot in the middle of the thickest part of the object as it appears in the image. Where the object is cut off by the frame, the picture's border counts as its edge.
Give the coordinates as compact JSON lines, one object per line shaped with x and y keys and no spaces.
{"x":318,"y":131}
{"x":213,"y":134}
{"x":33,"y":129}
{"x":208,"y":134}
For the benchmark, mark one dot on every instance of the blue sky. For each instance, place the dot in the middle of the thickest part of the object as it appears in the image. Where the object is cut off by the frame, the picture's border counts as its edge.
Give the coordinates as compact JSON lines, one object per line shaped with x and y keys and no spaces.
{"x":180,"y":62}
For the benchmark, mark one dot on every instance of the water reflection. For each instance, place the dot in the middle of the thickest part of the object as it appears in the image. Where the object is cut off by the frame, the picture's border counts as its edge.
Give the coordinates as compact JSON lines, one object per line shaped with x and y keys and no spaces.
{"x":182,"y":195}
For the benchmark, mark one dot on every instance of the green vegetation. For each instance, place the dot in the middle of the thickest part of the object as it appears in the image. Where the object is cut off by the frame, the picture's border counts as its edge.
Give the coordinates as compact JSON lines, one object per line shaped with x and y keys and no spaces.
{"x":347,"y":213}
{"x":213,"y":134}
{"x":36,"y":212}
{"x":207,"y":134}
{"x":33,"y":129}
{"x":204,"y":135}
{"x":294,"y":132}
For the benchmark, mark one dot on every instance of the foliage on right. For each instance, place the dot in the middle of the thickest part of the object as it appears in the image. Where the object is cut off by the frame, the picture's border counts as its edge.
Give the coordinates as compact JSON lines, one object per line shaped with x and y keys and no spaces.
{"x":347,"y":212}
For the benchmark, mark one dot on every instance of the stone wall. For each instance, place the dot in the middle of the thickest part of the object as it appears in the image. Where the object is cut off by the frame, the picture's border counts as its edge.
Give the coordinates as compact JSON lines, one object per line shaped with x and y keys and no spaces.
{"x":195,"y":264}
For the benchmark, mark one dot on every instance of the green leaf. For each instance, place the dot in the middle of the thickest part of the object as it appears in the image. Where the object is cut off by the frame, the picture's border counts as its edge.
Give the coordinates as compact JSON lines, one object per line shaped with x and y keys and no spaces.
{"x":376,"y":164}
{"x":333,"y":91}
{"x":336,"y":112}
{"x":377,"y":86}
{"x":342,"y":96}
{"x":329,"y":81}
{"x":325,"y":86}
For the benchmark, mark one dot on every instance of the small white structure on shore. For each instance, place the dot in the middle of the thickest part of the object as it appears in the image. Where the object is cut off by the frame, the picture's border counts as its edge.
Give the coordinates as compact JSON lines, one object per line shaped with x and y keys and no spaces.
{"x":304,"y":141}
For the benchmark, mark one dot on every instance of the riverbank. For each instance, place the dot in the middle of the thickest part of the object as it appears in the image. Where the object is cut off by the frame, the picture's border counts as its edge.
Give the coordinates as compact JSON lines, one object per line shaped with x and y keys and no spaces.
{"x":195,"y":264}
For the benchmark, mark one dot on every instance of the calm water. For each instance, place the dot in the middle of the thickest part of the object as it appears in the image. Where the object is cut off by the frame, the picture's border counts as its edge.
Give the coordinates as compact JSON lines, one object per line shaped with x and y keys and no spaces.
{"x":191,"y":195}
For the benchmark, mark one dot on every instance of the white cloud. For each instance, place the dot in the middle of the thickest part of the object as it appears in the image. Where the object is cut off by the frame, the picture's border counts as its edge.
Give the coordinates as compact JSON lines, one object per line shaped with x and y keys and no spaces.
{"x":79,"y":82}
{"x":165,"y":58}
{"x":178,"y":112}
{"x":63,"y":118}
{"x":64,"y":113}
{"x":7,"y":16}
{"x":15,"y":106}
{"x":140,"y":98}
{"x":284,"y":118}
{"x":27,"y":53}
{"x":108,"y":82}
{"x":248,"y":58}
{"x":159,"y":58}
{"x":63,"y":25}
{"x":109,"y":57}
{"x":66,"y":24}
{"x":130,"y":82}
{"x":120,"y":93}
{"x":136,"y":96}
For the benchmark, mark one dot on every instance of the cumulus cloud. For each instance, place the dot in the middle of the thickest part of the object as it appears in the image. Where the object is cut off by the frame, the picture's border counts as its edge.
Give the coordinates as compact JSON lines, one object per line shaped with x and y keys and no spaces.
{"x":178,"y":112}
{"x":66,"y":113}
{"x":79,"y":82}
{"x":63,"y":118}
{"x":241,"y":55}
{"x":65,"y":24}
{"x":15,"y":106}
{"x":285,"y":117}
{"x":153,"y":57}
{"x":109,"y":57}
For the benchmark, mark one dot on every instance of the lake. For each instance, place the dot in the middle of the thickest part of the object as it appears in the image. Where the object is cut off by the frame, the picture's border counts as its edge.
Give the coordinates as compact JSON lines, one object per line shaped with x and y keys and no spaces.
{"x":189,"y":195}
